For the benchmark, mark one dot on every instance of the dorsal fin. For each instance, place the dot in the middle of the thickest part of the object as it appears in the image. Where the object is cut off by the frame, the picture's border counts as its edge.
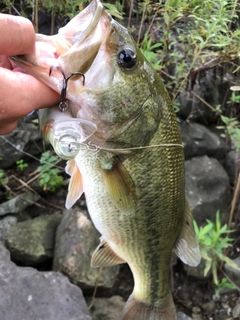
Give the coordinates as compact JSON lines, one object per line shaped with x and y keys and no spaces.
{"x":104,"y":256}
{"x":186,"y":247}
{"x":75,"y":187}
{"x":120,"y":186}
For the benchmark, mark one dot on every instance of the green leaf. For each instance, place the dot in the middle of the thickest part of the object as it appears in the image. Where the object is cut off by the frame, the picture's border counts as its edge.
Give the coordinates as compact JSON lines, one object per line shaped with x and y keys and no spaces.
{"x":214,"y":271}
{"x":231,"y":263}
{"x":207,"y":268}
{"x":112,"y":9}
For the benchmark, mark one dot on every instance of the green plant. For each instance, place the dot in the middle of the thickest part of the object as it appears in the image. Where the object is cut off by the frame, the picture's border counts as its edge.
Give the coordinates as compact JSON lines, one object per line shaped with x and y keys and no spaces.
{"x":232,"y":130}
{"x":231,"y":124}
{"x":21,"y":164}
{"x":3,"y":178}
{"x":212,"y":242}
{"x":116,"y":9}
{"x":235,"y":98}
{"x":230,"y":119}
{"x":223,"y":285}
{"x":148,"y":48}
{"x":49,"y":178}
{"x":196,"y":35}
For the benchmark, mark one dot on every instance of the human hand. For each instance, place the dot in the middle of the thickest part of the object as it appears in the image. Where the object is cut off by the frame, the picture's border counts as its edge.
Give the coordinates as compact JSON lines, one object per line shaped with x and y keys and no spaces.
{"x":20,"y":93}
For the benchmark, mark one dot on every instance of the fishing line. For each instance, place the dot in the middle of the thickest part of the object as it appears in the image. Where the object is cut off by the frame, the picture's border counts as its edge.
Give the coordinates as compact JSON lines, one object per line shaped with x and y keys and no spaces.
{"x":73,"y":147}
{"x":70,"y":136}
{"x":143,"y":147}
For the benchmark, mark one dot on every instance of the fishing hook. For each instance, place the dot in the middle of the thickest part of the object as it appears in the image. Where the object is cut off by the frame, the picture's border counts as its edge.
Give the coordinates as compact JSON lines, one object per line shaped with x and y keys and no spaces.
{"x":63,"y":105}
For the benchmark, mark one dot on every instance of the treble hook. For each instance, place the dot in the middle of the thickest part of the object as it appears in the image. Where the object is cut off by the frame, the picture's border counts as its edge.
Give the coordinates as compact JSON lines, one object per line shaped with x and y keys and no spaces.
{"x":63,"y":105}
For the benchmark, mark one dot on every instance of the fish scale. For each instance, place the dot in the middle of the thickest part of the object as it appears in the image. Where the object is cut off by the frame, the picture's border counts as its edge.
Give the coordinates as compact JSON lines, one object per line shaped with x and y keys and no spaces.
{"x":156,"y":226}
{"x":121,"y":139}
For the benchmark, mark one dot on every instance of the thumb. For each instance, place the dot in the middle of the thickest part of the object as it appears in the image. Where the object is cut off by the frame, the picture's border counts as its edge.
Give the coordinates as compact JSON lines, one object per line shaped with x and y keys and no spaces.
{"x":18,"y":36}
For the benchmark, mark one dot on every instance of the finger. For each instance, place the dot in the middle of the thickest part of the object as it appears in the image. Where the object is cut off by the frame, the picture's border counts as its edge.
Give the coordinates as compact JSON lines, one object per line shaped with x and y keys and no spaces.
{"x":6,"y":127}
{"x":20,"y":94}
{"x":18,"y":36}
{"x":5,"y":62}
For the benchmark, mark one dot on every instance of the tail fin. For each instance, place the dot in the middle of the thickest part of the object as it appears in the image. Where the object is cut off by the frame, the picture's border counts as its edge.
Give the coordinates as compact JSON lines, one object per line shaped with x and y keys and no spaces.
{"x":137,"y":310}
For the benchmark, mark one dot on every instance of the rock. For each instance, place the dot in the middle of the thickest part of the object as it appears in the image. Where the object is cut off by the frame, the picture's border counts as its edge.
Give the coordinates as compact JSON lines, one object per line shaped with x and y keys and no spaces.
{"x":209,"y":307}
{"x":107,"y":308}
{"x":35,"y":144}
{"x":232,"y":163}
{"x":27,"y":294}
{"x":233,"y":274}
{"x":182,"y":316}
{"x":111,"y":309}
{"x":32,"y":242}
{"x":174,"y":259}
{"x":19,"y":203}
{"x":198,"y":271}
{"x":5,"y":224}
{"x":236,"y":311}
{"x":11,"y":146}
{"x":211,"y":87}
{"x":76,"y":240}
{"x":199,"y":140}
{"x":207,"y":189}
{"x":198,"y":317}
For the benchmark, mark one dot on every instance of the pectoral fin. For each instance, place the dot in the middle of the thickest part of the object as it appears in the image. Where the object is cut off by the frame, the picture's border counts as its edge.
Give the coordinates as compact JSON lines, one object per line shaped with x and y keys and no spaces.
{"x":104,"y":256}
{"x":186,"y":247}
{"x":120,"y":186}
{"x":75,"y":187}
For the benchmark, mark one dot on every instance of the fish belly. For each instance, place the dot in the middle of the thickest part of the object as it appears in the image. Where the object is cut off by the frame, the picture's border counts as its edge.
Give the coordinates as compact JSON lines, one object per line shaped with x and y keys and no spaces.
{"x":145,"y":235}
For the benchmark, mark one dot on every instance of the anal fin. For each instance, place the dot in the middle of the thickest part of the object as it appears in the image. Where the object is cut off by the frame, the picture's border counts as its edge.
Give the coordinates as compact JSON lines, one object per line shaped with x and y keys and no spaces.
{"x":186,"y":247}
{"x":75,"y":187}
{"x":104,"y":256}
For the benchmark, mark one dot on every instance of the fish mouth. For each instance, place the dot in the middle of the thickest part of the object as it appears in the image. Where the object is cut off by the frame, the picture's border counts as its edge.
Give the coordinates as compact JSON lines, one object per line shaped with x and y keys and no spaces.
{"x":87,"y":48}
{"x":72,"y":50}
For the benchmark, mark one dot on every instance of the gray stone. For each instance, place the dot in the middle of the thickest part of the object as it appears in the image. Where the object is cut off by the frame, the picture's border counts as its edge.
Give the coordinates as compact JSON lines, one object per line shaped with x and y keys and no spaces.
{"x":232,"y":273}
{"x":232,"y":163}
{"x":198,"y":271}
{"x":11,"y":146}
{"x":211,"y":88}
{"x":76,"y":240}
{"x":182,"y":316}
{"x":35,"y":144}
{"x":207,"y":189}
{"x":199,"y":140}
{"x":5,"y":224}
{"x":196,"y":316}
{"x":27,"y":294}
{"x":19,"y":203}
{"x":32,"y":241}
{"x":209,"y":307}
{"x":111,"y":309}
{"x":236,"y":311}
{"x":107,"y":308}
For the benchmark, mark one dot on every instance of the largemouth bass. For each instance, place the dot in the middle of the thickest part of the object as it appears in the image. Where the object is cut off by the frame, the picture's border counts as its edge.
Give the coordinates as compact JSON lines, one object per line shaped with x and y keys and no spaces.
{"x":118,"y":130}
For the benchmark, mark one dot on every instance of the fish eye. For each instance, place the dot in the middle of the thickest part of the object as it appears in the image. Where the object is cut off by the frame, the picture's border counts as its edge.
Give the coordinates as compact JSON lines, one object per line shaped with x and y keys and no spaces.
{"x":127,"y":58}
